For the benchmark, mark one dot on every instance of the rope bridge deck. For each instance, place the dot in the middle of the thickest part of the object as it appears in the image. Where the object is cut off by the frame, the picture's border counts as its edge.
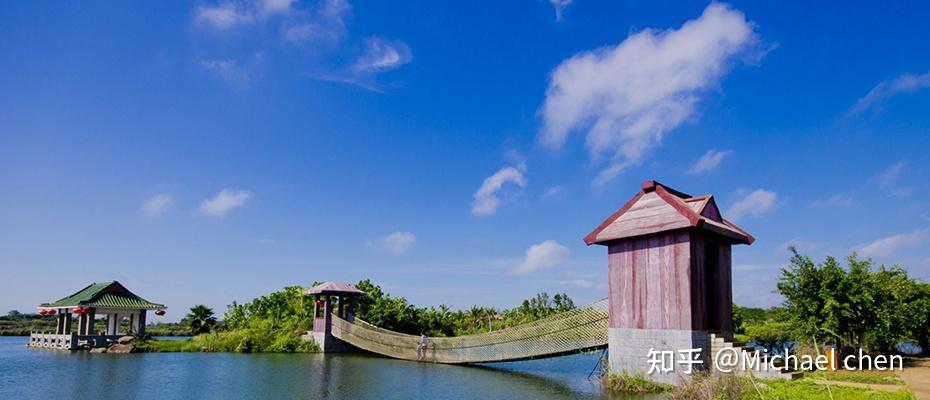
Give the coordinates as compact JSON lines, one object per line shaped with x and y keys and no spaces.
{"x":569,"y":332}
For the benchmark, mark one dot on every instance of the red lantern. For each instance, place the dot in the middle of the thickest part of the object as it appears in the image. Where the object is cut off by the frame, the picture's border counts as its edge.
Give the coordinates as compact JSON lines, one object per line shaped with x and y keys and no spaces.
{"x":78,"y":310}
{"x":51,"y":312}
{"x":159,"y":312}
{"x":42,"y":312}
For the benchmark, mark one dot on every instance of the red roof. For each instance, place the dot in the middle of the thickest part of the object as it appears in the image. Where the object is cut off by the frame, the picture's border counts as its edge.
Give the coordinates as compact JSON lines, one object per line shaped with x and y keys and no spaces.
{"x":333,"y":288}
{"x":658,"y":208}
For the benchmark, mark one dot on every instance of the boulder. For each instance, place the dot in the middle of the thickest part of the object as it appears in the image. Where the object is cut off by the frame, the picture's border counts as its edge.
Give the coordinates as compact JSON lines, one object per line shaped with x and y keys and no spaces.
{"x":125,"y":339}
{"x":98,"y":350}
{"x":118,"y":348}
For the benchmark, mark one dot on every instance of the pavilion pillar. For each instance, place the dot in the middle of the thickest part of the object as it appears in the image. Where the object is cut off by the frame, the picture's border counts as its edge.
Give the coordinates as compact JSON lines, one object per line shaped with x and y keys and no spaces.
{"x":60,"y":329}
{"x":342,"y":307}
{"x":91,"y":316}
{"x":82,"y":324}
{"x":67,"y":327}
{"x":328,"y":312}
{"x":112,"y":322}
{"x":139,"y":323}
{"x":350,"y":314}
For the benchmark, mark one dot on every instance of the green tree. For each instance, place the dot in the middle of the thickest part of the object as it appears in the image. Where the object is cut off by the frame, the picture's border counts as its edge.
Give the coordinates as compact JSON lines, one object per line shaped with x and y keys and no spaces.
{"x":200,"y":319}
{"x":870,"y":308}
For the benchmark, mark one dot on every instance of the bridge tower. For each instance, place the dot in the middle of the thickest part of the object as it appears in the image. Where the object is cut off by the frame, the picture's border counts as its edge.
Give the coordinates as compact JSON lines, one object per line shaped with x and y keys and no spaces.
{"x":331,"y":299}
{"x":669,"y":278}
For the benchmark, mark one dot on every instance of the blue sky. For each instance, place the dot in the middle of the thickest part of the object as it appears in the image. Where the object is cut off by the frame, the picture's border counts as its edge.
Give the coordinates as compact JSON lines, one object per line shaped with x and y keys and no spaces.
{"x":455,"y":153}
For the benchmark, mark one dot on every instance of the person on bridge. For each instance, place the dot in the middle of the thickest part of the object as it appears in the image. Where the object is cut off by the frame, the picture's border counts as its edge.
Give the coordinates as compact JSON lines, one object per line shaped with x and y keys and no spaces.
{"x":421,"y":348}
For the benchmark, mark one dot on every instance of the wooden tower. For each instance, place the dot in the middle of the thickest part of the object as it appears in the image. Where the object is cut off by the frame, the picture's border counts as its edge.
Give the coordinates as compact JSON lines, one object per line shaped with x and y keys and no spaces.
{"x":669,"y":276}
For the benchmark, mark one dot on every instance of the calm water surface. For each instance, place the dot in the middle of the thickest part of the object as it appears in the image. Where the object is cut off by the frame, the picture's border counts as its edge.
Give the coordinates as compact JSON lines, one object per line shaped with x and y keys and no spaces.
{"x":51,"y":374}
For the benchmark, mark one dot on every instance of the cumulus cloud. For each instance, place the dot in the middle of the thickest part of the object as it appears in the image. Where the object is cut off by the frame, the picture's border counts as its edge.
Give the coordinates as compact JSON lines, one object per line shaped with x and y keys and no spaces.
{"x":889,"y":245}
{"x":627,"y":97}
{"x":487,"y":198}
{"x":396,"y":243}
{"x":224,"y":202}
{"x":157,"y":204}
{"x":906,"y":83}
{"x":753,"y":204}
{"x":382,"y":55}
{"x":543,"y":255}
{"x":559,"y":6}
{"x":709,"y":161}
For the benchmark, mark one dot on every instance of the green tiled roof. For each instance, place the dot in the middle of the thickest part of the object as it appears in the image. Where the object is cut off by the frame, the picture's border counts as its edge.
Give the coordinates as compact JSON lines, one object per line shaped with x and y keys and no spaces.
{"x":104,"y":295}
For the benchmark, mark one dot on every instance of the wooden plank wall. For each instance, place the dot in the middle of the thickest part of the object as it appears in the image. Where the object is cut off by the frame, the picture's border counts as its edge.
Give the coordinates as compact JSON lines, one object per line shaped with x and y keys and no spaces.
{"x":650,"y":282}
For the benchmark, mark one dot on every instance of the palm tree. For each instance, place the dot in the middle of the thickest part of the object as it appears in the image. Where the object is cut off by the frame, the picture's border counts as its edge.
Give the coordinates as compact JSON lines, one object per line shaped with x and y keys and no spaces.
{"x":200,"y":319}
{"x":475,"y":314}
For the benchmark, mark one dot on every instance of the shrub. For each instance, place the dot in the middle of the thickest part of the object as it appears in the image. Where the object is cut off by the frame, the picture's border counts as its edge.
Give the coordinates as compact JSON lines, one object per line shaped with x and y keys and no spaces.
{"x":623,"y":382}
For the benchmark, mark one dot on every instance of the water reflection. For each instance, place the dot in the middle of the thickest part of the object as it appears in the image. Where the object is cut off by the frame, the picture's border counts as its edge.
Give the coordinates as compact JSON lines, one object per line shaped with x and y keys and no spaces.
{"x":26,"y":373}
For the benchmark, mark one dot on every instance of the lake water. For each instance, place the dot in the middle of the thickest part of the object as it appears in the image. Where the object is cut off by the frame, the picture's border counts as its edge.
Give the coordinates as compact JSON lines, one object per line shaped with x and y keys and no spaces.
{"x":52,"y":374}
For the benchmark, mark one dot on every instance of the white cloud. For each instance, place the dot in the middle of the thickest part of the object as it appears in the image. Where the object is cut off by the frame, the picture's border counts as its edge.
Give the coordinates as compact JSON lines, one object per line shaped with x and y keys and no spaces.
{"x":543,"y":255}
{"x":231,"y":14}
{"x":627,"y":97}
{"x":552,"y":191}
{"x":906,"y":83}
{"x":888,"y":245}
{"x":223,"y":16}
{"x":269,"y":7}
{"x":891,"y":174}
{"x":709,"y":161}
{"x":382,"y":55}
{"x":487,"y":199}
{"x":559,"y":6}
{"x":327,"y":25}
{"x":157,"y":204}
{"x":756,"y":203}
{"x":837,"y":200}
{"x":224,"y":202}
{"x":582,"y":283}
{"x":396,"y":243}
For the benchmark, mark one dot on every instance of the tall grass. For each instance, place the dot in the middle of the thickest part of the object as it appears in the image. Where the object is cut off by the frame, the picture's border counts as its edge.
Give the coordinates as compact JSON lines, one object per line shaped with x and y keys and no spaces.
{"x":235,"y":341}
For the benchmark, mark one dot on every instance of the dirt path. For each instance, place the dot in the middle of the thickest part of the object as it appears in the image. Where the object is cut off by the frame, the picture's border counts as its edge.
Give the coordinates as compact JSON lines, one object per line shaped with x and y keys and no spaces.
{"x":917,"y":377}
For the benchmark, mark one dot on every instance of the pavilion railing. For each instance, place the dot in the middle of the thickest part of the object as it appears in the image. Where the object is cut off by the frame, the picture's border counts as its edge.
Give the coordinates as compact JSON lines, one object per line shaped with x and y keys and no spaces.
{"x":53,"y":341}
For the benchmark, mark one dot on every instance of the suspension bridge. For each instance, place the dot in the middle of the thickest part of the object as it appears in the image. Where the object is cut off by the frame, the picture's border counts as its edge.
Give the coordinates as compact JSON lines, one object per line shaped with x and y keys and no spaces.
{"x":569,"y":332}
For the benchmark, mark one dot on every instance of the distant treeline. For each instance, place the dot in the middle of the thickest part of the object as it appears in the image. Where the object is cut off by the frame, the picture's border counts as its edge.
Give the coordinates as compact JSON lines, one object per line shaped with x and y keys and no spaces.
{"x":396,"y":314}
{"x":15,"y":323}
{"x":275,"y":322}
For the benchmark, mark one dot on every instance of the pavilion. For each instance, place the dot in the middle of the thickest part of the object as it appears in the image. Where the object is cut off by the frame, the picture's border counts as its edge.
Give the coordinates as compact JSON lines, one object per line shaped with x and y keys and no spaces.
{"x":325,"y":294}
{"x":109,"y":298}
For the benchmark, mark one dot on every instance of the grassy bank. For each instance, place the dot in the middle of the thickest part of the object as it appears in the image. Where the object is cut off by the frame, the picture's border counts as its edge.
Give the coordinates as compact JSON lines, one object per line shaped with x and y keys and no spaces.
{"x":729,"y":387}
{"x":234,"y":341}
